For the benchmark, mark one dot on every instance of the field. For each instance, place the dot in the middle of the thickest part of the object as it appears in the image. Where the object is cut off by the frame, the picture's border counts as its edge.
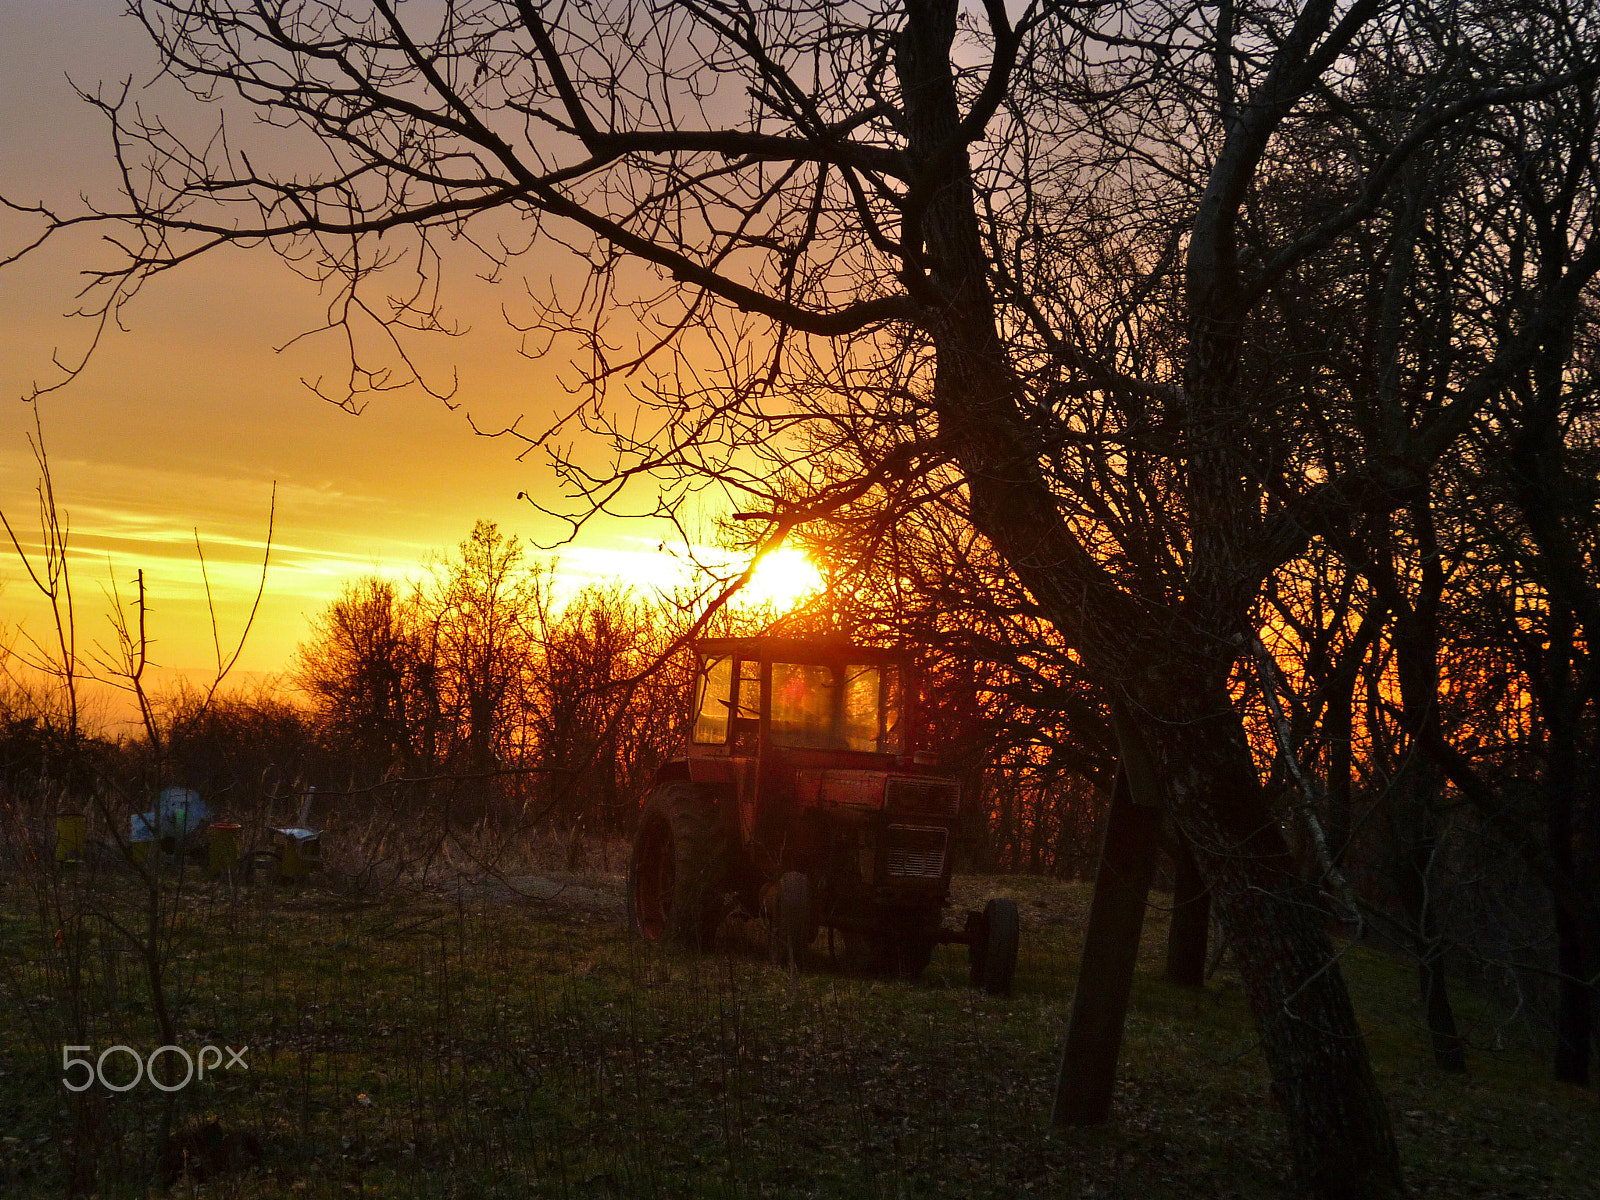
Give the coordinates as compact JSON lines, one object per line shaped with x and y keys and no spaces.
{"x":468,"y":1040}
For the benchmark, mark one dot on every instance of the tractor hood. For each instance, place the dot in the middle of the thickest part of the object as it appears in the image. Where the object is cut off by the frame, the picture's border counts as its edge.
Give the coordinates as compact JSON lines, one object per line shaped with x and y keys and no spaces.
{"x":910,"y":795}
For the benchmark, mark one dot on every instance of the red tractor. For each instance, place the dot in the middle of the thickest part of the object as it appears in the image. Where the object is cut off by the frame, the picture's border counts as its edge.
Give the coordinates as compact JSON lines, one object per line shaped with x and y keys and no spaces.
{"x":800,"y":799}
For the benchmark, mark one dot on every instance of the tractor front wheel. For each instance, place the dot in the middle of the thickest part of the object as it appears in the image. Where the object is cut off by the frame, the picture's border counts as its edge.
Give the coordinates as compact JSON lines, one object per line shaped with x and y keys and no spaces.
{"x":993,"y":951}
{"x":677,"y":869}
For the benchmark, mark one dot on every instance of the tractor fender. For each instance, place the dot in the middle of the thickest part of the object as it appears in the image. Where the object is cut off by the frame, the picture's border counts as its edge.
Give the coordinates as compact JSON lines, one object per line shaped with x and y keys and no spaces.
{"x":711,"y":777}
{"x":710,"y":770}
{"x":674,"y":770}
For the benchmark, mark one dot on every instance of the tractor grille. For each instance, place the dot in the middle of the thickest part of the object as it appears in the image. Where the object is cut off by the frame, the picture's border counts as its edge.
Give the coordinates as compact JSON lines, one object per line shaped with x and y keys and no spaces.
{"x":913,"y":851}
{"x":925,"y":797}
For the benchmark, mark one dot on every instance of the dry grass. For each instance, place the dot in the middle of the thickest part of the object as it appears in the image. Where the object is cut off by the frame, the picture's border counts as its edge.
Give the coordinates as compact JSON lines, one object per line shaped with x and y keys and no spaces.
{"x":466,"y":1041}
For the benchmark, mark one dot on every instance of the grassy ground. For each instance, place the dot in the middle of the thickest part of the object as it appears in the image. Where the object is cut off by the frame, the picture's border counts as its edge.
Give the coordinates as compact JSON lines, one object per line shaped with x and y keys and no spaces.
{"x":476,"y":1043}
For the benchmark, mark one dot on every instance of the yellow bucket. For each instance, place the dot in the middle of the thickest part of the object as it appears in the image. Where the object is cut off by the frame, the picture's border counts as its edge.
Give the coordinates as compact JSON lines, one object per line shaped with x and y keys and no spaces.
{"x":70,"y":830}
{"x":298,"y":856}
{"x":223,"y":853}
{"x":140,"y":851}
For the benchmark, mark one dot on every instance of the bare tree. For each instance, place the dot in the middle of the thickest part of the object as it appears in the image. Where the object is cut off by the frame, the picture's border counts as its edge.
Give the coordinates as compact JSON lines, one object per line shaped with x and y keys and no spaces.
{"x":437,"y":677}
{"x":1032,"y":246}
{"x":366,"y":670}
{"x":604,"y":720}
{"x":477,"y":626}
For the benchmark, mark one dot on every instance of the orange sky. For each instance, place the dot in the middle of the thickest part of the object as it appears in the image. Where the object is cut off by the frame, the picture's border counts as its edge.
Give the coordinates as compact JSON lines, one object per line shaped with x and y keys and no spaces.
{"x":184,"y":421}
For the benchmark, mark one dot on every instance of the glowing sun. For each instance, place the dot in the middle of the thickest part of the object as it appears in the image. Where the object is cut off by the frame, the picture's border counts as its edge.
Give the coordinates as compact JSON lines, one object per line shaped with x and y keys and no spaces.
{"x":782,"y":579}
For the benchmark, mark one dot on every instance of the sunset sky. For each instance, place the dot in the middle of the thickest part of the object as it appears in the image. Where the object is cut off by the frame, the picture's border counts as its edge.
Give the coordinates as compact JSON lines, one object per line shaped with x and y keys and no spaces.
{"x":184,"y":421}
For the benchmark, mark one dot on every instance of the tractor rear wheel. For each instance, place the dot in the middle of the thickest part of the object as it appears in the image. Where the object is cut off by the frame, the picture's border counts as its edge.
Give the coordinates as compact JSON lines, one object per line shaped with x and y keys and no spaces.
{"x":677,"y":869}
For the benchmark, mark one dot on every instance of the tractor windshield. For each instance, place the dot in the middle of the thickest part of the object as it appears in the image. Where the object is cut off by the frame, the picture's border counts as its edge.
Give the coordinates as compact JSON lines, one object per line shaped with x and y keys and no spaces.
{"x":855,"y":707}
{"x":815,"y":706}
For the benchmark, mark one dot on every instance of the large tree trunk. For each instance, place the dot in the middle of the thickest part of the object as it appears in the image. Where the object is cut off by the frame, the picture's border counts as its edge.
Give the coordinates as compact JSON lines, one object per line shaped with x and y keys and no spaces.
{"x":1416,"y":643}
{"x":1542,"y":479}
{"x":1191,"y":919}
{"x":1575,"y":953}
{"x":1321,"y":1077}
{"x":1563,"y":707}
{"x":1574,"y":1005}
{"x":1088,"y":1070}
{"x":1339,"y":1131}
{"x":1414,"y":851}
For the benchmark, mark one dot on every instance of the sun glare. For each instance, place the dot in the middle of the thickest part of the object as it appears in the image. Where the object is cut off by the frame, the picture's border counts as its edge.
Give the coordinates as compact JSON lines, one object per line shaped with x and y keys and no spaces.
{"x":782,"y":579}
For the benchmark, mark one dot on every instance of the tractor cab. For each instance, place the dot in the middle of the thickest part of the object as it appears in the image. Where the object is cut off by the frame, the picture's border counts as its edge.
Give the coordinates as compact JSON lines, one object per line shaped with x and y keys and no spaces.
{"x":772,"y":716}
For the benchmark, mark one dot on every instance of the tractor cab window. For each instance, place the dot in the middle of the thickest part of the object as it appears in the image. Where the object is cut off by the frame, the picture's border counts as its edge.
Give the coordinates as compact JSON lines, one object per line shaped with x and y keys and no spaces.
{"x":855,"y":707}
{"x":872,"y":709}
{"x":894,"y":707}
{"x":712,"y":687}
{"x":802,"y":705}
{"x":860,"y":728}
